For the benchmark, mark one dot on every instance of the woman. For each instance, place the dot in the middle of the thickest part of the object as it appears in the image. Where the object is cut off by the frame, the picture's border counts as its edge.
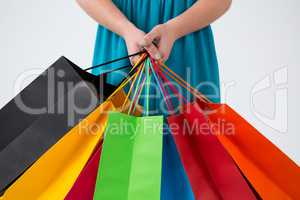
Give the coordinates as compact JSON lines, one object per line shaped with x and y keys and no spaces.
{"x":185,"y":43}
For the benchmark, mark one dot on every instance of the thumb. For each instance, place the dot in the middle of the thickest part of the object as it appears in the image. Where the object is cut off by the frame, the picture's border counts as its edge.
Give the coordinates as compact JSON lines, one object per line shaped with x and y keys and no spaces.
{"x":150,"y":37}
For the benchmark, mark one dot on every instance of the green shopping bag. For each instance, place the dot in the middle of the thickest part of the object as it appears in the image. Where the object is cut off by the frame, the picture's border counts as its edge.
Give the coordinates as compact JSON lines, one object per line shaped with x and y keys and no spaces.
{"x":131,"y":161}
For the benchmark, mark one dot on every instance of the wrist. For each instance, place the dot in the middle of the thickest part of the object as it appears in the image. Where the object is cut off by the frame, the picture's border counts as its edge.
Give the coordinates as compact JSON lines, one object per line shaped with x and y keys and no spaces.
{"x":173,"y":29}
{"x":128,"y":29}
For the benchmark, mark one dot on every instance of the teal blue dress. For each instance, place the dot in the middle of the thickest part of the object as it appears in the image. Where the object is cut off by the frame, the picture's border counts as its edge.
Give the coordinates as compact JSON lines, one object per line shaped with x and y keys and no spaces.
{"x":193,"y":57}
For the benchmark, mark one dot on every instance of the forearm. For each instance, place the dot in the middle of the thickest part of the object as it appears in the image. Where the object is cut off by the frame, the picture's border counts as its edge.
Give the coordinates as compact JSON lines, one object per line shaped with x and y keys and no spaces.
{"x":108,"y":15}
{"x":200,"y":15}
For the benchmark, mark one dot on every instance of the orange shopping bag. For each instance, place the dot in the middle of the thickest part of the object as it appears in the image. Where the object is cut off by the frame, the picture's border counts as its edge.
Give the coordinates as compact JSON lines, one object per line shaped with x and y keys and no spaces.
{"x":269,"y":170}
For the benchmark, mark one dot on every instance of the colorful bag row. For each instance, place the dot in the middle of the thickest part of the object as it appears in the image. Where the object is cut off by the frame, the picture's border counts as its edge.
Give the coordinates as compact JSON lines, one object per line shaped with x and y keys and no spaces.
{"x":104,"y":149}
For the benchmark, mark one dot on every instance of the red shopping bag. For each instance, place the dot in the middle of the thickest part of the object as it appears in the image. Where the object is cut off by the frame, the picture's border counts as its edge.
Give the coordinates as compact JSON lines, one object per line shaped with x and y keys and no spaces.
{"x":211,"y":171}
{"x":84,"y":186}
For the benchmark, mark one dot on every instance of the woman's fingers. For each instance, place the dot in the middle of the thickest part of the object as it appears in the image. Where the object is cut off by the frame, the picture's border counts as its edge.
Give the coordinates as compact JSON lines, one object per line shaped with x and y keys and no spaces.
{"x":159,"y":42}
{"x":154,"y":34}
{"x":153,"y":51}
{"x":148,"y":43}
{"x":134,"y":60}
{"x":151,"y":42}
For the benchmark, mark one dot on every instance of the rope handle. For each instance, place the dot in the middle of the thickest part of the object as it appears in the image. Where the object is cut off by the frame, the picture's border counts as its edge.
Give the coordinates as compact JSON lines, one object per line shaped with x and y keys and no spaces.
{"x":129,"y":77}
{"x":116,"y":60}
{"x":180,"y":97}
{"x":137,"y":89}
{"x":158,"y":72}
{"x":184,"y":84}
{"x":161,"y":88}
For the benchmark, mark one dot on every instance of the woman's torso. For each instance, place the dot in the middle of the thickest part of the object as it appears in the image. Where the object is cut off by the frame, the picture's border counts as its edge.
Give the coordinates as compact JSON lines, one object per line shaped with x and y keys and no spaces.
{"x":193,"y":57}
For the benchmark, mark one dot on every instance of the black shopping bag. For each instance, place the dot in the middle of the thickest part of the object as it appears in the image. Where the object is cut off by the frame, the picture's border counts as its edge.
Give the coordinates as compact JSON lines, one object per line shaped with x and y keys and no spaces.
{"x":43,"y":112}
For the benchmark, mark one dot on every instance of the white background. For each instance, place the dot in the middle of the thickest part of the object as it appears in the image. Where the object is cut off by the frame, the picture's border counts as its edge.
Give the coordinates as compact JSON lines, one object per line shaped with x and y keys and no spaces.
{"x":254,"y":40}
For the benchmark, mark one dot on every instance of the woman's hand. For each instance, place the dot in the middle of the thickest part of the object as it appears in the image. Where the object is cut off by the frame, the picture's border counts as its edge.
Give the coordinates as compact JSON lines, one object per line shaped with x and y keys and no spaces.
{"x":133,"y":38}
{"x":163,"y":36}
{"x":198,"y":16}
{"x":158,"y":42}
{"x":135,"y":42}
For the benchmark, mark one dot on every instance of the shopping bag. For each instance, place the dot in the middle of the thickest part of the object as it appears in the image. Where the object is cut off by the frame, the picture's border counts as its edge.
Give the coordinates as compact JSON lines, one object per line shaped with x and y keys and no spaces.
{"x":42,"y":113}
{"x":53,"y":174}
{"x":84,"y":186}
{"x":211,"y":171}
{"x":130,"y":165}
{"x":268,"y":169}
{"x":175,"y":183}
